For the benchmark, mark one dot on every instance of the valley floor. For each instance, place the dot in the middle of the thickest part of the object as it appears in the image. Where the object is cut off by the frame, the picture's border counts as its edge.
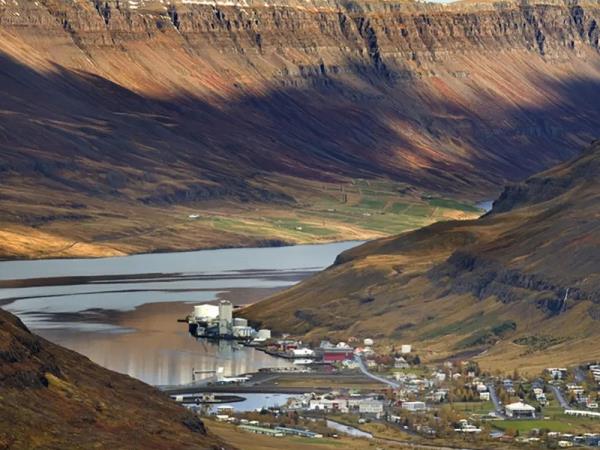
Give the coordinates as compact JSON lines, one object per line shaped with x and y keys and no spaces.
{"x":320,"y":212}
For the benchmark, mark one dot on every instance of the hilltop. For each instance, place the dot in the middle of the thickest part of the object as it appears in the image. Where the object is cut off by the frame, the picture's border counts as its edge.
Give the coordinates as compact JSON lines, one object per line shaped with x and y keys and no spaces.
{"x":51,"y":397}
{"x":521,"y":283}
{"x":136,"y":126}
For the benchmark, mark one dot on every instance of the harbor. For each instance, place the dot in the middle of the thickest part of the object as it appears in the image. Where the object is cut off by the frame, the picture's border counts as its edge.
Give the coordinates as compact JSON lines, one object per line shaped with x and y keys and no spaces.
{"x":122,"y":312}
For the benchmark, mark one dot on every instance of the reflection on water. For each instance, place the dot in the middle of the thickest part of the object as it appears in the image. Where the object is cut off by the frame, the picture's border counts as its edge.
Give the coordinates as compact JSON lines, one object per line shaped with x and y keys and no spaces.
{"x":122,"y":312}
{"x":486,"y":205}
{"x":355,"y":432}
{"x":254,"y":402}
{"x":163,"y":358}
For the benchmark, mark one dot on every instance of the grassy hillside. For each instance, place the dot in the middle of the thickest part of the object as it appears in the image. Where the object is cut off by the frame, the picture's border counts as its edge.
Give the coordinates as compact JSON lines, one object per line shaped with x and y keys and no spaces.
{"x":321,"y":212}
{"x":521,"y":283}
{"x":54,"y":398}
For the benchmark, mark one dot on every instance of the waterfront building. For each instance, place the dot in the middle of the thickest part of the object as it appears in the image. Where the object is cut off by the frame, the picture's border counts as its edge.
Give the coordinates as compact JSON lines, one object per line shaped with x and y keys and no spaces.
{"x":263,"y":335}
{"x":240,"y":322}
{"x":205,"y":312}
{"x":225,"y":317}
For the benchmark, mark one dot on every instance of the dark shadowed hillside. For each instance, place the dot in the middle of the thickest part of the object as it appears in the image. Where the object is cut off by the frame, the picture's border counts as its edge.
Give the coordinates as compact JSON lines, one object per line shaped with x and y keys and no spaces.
{"x":522,"y":282}
{"x":120,"y":120}
{"x":54,"y":398}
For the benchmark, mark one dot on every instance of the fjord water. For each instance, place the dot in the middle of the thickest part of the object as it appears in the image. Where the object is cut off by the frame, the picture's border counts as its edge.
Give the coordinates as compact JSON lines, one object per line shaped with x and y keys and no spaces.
{"x":122,"y":312}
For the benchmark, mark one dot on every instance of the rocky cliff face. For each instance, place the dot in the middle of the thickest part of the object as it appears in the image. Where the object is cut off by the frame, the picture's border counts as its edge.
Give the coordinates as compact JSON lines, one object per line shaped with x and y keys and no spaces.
{"x":321,"y":87}
{"x":155,"y":103}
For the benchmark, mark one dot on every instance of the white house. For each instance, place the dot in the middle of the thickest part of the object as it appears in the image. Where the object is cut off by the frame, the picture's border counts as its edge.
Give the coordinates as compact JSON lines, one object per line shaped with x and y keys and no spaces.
{"x":370,"y":406}
{"x":326,"y":404}
{"x":302,"y":352}
{"x":414,"y":406}
{"x":465,"y":427}
{"x":400,"y":363}
{"x":557,"y":373}
{"x":582,"y":413}
{"x":520,"y":410}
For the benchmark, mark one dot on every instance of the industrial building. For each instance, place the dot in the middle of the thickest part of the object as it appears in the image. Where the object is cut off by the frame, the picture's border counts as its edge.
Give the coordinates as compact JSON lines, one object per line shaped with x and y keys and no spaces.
{"x":217,"y":322}
{"x":335,"y":353}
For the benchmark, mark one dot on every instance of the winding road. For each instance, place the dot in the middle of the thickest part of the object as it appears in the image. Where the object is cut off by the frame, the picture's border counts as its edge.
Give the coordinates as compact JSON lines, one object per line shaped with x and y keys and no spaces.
{"x":495,"y":400}
{"x":363,"y":369}
{"x":559,"y":396}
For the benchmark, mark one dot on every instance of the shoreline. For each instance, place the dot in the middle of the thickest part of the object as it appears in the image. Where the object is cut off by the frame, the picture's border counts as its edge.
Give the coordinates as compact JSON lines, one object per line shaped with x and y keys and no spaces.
{"x":282,"y":244}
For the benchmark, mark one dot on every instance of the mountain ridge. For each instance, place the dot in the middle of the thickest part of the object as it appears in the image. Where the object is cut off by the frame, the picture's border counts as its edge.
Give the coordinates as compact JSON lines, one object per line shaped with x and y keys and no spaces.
{"x":149,"y":108}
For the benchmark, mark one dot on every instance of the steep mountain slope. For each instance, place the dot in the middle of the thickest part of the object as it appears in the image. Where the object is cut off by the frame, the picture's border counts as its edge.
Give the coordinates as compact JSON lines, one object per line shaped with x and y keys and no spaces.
{"x":53,"y":398}
{"x":522,"y":282}
{"x":120,"y":118}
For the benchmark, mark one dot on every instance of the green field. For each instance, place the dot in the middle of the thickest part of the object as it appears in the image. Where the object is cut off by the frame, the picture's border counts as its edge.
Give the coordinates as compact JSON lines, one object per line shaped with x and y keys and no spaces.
{"x":473,"y":407}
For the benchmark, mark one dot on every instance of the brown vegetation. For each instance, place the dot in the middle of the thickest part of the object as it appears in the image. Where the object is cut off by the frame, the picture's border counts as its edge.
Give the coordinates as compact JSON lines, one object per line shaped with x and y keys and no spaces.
{"x":117,"y":123}
{"x":519,"y":284}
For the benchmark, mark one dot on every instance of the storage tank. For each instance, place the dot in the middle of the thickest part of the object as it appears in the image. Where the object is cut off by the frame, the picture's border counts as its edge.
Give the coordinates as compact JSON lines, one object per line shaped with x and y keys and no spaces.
{"x":368,"y":342}
{"x":206,"y":312}
{"x":240,"y":322}
{"x":225,"y":317}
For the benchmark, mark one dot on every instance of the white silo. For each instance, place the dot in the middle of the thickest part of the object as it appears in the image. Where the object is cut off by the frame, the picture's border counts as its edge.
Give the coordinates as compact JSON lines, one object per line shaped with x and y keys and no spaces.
{"x":225,"y":317}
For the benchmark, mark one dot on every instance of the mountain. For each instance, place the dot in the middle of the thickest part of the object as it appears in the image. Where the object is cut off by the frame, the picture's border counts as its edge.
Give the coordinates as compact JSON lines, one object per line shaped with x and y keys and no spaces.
{"x":522,"y":283}
{"x":132,"y":126}
{"x":54,"y":398}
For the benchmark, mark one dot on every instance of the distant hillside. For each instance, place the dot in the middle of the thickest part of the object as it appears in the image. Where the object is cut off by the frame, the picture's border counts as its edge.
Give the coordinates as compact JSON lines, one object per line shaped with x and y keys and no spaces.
{"x":53,"y":398}
{"x":120,"y":120}
{"x":522,"y":282}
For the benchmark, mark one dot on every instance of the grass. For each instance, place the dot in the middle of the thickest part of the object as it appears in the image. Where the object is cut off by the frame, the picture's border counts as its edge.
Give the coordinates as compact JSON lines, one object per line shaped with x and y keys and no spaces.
{"x":472,"y":407}
{"x":371,"y":203}
{"x":453,"y":204}
{"x":557,"y":421}
{"x":356,"y":210}
{"x":247,"y":441}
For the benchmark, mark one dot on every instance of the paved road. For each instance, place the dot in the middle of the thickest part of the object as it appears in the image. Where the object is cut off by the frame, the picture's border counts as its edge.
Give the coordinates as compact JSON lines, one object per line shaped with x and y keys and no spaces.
{"x":580,"y":375}
{"x":363,"y":369}
{"x":559,"y":396}
{"x":495,"y":400}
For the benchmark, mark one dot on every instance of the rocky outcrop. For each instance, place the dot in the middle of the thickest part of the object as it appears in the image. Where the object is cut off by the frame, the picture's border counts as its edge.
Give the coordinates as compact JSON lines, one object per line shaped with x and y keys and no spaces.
{"x":464,"y":273}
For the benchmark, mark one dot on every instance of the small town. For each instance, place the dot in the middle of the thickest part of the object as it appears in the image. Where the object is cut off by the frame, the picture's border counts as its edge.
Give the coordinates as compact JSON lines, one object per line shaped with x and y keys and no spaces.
{"x":365,"y":390}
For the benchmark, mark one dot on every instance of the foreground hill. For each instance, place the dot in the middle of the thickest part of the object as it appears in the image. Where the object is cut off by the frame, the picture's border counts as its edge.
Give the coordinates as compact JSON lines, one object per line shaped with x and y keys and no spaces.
{"x":521,"y":283}
{"x":53,"y":398}
{"x":121,"y":120}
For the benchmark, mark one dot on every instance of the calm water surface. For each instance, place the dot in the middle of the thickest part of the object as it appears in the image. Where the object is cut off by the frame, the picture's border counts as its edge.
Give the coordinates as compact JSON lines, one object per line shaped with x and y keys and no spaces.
{"x":122,"y":312}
